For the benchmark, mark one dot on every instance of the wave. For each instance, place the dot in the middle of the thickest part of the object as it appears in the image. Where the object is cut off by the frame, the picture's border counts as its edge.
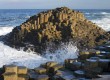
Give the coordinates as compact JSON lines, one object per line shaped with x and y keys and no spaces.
{"x":10,"y":55}
{"x":104,"y":13}
{"x":88,"y":13}
{"x":31,"y":60}
{"x":104,"y":23}
{"x":27,"y":17}
{"x":5,"y":30}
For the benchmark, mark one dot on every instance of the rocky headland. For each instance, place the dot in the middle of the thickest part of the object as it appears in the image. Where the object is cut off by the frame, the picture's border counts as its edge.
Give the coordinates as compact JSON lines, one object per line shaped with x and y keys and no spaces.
{"x":55,"y":26}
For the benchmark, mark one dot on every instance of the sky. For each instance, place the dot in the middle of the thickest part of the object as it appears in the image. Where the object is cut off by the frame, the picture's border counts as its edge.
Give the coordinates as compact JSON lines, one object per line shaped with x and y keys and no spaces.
{"x":50,"y":4}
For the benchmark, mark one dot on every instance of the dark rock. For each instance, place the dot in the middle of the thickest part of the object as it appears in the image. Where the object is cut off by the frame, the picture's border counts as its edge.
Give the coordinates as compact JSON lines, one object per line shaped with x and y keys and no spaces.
{"x":32,"y":75}
{"x":64,"y":75}
{"x":79,"y":73}
{"x":68,"y":62}
{"x":53,"y":69}
{"x":104,"y":64}
{"x":43,"y":77}
{"x":50,"y":64}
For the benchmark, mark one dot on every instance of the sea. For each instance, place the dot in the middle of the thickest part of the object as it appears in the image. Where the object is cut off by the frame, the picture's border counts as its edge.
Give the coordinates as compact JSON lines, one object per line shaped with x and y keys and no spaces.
{"x":10,"y":18}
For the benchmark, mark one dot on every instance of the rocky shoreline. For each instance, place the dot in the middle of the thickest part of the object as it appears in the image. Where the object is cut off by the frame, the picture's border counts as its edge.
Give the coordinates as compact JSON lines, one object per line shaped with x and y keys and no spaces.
{"x":53,"y":27}
{"x":56,"y":26}
{"x":90,"y":65}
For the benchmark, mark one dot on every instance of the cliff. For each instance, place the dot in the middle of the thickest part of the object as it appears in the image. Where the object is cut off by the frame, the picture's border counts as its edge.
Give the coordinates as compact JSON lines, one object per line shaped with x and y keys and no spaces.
{"x":60,"y":24}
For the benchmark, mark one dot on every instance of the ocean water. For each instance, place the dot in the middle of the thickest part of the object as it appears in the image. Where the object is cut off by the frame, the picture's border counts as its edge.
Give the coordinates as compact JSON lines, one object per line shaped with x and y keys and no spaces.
{"x":10,"y":18}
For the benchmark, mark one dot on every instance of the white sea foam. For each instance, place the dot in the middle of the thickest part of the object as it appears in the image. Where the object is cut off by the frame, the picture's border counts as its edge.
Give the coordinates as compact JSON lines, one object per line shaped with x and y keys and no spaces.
{"x":27,"y":17}
{"x":10,"y":55}
{"x":104,"y":13}
{"x":87,"y":13}
{"x":64,"y":52}
{"x":5,"y":30}
{"x":104,"y":22}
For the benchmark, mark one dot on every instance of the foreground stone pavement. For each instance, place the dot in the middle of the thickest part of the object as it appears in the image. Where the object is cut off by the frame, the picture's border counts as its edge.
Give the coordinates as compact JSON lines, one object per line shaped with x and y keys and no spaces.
{"x":89,"y":66}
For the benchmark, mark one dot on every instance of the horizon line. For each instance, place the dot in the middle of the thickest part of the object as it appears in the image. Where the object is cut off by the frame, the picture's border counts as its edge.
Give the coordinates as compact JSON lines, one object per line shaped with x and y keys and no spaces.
{"x":55,"y":8}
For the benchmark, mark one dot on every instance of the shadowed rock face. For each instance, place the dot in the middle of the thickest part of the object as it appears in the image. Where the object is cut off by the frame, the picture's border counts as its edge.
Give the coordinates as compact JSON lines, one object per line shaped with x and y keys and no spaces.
{"x":60,"y":24}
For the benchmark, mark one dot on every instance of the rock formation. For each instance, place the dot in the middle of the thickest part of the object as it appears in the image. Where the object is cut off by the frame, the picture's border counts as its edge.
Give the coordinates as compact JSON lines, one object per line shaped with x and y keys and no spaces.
{"x":60,"y":24}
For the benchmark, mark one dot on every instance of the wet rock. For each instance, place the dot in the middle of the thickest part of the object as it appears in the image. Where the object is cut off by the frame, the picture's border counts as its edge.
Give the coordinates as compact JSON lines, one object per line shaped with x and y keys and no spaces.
{"x":64,"y":75}
{"x":32,"y":75}
{"x":68,"y":62}
{"x":43,"y":77}
{"x":90,"y":63}
{"x":76,"y":66}
{"x":79,"y":73}
{"x":95,"y":58}
{"x":104,"y":64}
{"x":101,"y":56}
{"x":93,"y":72}
{"x":73,"y":64}
{"x":107,"y":48}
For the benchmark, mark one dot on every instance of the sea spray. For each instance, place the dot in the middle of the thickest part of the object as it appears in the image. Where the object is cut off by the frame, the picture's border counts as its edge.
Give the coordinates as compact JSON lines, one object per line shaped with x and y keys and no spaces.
{"x":31,"y":59}
{"x":104,"y":23}
{"x":10,"y":55}
{"x":64,"y":51}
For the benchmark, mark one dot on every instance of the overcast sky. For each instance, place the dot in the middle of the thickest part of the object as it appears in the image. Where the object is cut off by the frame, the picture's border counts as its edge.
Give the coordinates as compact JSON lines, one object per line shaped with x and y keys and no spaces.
{"x":48,"y":4}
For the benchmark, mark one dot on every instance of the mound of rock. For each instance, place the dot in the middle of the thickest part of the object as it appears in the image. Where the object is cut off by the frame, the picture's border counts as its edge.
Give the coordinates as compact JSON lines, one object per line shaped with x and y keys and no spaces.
{"x":60,"y":24}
